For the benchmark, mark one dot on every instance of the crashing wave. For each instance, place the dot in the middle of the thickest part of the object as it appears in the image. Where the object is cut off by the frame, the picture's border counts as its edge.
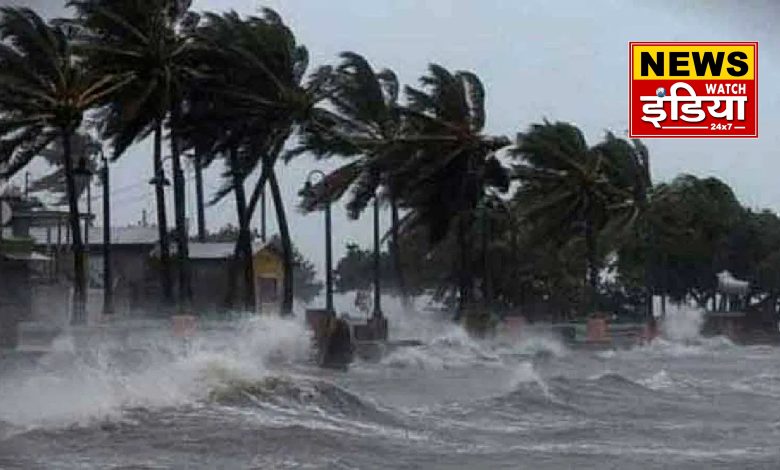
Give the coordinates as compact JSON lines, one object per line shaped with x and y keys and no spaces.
{"x":100,"y":382}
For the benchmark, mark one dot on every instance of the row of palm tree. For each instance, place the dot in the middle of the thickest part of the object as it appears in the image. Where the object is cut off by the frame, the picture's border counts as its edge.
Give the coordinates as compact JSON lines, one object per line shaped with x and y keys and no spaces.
{"x":45,"y":93}
{"x":235,"y":89}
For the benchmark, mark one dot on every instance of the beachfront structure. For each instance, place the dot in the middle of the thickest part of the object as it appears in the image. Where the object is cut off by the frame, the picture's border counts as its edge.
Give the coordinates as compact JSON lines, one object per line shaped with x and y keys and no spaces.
{"x":269,"y":278}
{"x":35,"y":249}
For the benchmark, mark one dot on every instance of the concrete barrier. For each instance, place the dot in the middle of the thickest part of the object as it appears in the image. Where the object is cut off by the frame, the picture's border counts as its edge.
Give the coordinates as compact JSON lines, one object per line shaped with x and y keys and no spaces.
{"x":514,"y":326}
{"x":597,"y":330}
{"x":184,"y":325}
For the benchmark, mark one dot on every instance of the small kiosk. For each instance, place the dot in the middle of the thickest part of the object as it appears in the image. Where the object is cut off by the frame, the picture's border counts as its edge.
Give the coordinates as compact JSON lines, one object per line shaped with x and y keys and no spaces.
{"x":269,"y":278}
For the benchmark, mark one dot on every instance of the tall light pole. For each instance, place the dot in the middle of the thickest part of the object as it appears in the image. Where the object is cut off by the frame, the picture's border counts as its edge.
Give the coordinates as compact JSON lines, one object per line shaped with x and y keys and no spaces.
{"x":108,"y":287}
{"x":377,"y":257}
{"x":308,"y":189}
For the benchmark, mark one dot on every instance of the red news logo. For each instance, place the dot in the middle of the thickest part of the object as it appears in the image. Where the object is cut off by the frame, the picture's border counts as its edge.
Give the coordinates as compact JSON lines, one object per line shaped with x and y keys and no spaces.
{"x":693,"y":89}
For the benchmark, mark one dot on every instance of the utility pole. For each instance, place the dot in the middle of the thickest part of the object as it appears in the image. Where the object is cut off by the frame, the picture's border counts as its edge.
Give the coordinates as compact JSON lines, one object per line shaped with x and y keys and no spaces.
{"x":108,"y":286}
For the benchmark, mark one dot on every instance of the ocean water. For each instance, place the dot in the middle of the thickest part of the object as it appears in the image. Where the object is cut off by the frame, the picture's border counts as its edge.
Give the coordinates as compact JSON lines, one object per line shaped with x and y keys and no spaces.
{"x":248,"y":397}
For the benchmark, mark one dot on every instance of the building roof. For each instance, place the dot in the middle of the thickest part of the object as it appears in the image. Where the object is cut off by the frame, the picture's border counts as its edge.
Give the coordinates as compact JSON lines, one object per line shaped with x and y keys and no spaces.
{"x":213,"y":250}
{"x":31,"y":256}
{"x":132,"y":235}
{"x":200,"y":250}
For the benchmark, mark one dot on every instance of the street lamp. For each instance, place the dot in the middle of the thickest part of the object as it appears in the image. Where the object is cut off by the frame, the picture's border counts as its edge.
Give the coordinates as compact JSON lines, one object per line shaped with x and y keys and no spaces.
{"x":108,"y":287}
{"x":308,"y":190}
{"x":377,"y":314}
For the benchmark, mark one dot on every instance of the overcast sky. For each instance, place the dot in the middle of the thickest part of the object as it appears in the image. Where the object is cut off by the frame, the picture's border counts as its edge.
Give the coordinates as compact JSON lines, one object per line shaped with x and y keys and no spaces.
{"x":563,"y":60}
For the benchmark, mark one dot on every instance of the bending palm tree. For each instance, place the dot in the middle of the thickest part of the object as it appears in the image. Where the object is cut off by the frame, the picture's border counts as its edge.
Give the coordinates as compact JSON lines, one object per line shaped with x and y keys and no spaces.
{"x":140,"y":41}
{"x":83,"y":148}
{"x":568,"y":187}
{"x":44,"y":93}
{"x":252,"y":71}
{"x":452,"y":164}
{"x":364,"y":121}
{"x":630,"y":170}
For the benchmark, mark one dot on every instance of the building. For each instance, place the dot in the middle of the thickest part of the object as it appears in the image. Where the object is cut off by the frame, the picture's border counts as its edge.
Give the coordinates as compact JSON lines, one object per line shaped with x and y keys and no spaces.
{"x":215,"y":278}
{"x":20,"y":265}
{"x":35,"y":249}
{"x":269,"y":276}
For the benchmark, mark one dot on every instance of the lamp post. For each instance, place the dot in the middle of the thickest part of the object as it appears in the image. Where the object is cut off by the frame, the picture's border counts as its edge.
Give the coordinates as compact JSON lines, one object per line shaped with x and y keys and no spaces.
{"x":377,"y":314}
{"x":108,"y":287}
{"x":308,"y":188}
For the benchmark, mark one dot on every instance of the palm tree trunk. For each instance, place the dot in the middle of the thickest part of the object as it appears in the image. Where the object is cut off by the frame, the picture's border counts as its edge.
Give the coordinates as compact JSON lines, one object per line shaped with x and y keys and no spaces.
{"x":162,"y":222}
{"x":257,"y":192}
{"x":287,"y":254}
{"x":464,"y":273}
{"x":244,"y":237}
{"x":395,"y":246}
{"x":199,"y":198}
{"x":265,"y":169}
{"x":79,"y":276}
{"x":179,"y":203}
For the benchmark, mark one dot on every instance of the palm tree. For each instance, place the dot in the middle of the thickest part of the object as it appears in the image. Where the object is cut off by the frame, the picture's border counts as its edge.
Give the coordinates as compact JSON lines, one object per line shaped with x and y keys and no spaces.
{"x":362,"y":122}
{"x":452,"y":163}
{"x":84,"y":148}
{"x":252,"y":73}
{"x":571,"y":189}
{"x":629,"y":170}
{"x":142,"y":42}
{"x":44,"y":92}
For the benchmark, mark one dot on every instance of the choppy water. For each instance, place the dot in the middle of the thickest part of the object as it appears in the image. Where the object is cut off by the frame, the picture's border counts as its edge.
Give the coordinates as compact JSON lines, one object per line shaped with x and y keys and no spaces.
{"x":248,"y":398}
